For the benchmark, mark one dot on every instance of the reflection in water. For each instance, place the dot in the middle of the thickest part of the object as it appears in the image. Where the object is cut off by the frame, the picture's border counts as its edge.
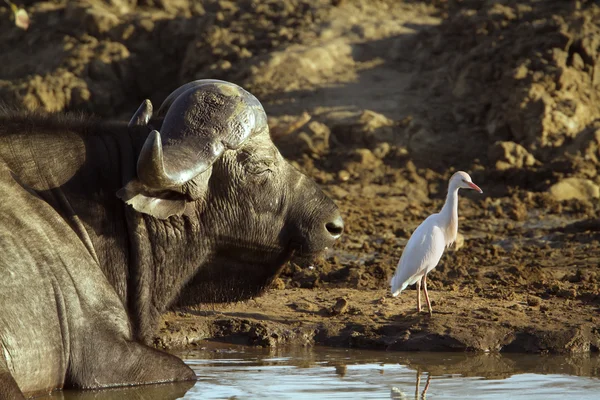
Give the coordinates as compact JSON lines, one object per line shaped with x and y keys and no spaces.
{"x":397,"y":394}
{"x":340,"y":370}
{"x":424,"y":394}
{"x":165,"y":391}
{"x":239,"y":372}
{"x":326,"y":373}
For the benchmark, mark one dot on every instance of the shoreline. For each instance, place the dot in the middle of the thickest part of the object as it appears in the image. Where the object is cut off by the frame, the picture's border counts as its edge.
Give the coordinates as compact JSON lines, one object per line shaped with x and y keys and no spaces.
{"x":373,"y":320}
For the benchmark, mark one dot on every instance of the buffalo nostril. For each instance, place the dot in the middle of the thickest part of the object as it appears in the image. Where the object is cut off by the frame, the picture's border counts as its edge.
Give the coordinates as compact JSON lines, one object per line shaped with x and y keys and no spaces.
{"x":335,"y":227}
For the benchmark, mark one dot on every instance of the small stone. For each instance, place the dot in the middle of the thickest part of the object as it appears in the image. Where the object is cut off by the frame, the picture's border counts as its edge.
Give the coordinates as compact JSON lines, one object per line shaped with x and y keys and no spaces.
{"x":366,"y":159}
{"x":340,"y":307}
{"x":520,"y":72}
{"x":533,"y":301}
{"x":382,"y":150}
{"x":278,"y":284}
{"x":225,"y":65}
{"x":343,"y":175}
{"x":338,"y":193}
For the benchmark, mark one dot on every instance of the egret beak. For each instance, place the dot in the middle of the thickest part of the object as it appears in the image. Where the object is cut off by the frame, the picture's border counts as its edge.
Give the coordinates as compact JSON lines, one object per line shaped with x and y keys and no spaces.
{"x":474,"y":187}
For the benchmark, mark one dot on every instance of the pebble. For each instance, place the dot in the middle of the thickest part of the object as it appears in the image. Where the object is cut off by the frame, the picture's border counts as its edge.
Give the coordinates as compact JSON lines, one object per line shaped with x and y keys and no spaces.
{"x":533,"y":301}
{"x":340,"y":307}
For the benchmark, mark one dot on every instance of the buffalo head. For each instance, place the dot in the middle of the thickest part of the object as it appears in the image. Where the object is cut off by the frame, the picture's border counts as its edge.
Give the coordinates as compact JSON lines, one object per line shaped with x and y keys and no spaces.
{"x":209,"y":163}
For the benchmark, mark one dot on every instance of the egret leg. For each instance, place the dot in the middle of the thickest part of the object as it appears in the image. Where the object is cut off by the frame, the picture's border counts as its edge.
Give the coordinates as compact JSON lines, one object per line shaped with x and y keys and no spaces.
{"x":417,"y":384}
{"x":424,"y":394}
{"x":427,"y":294}
{"x":419,"y":296}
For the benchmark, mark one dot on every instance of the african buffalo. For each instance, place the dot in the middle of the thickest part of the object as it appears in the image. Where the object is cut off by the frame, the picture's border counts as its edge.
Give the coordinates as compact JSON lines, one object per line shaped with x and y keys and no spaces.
{"x":106,"y":224}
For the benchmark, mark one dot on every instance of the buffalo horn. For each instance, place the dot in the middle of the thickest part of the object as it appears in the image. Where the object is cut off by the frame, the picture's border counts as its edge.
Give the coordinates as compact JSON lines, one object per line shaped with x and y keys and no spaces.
{"x":201,"y":120}
{"x":142,"y":115}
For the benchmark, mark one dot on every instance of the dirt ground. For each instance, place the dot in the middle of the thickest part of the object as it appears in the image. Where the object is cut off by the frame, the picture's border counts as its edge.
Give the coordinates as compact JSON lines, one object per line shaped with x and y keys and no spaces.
{"x":380,"y":101}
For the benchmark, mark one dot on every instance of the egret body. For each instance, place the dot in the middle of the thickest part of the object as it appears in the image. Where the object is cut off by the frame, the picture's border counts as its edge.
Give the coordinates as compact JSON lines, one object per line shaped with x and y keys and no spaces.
{"x":427,"y":243}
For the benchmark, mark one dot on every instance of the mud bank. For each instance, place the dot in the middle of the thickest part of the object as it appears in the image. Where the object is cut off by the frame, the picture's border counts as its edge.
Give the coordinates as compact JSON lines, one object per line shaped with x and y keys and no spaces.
{"x":374,"y":320}
{"x":378,"y":101}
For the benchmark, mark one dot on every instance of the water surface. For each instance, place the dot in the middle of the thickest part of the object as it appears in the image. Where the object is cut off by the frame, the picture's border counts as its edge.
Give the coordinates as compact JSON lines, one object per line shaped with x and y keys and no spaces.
{"x":239,"y":372}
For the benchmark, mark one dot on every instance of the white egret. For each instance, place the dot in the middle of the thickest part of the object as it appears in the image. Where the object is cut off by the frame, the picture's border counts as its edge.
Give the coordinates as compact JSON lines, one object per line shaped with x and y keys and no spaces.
{"x":426,"y":245}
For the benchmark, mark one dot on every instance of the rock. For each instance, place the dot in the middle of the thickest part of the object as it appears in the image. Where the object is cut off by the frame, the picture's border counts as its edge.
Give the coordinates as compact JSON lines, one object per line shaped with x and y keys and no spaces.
{"x":343,"y":175}
{"x":575,"y":188}
{"x":533,"y":301}
{"x":510,"y":155}
{"x":98,"y":20}
{"x":313,"y":138}
{"x":367,"y":129}
{"x":340,"y":307}
{"x":306,"y":278}
{"x":366,"y":159}
{"x":518,"y":211}
{"x":338,"y":193}
{"x":382,"y":150}
{"x":278,"y":284}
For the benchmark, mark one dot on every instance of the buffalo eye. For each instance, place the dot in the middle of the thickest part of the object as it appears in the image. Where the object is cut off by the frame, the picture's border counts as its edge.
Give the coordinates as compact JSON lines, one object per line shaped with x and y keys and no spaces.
{"x":259,"y":170}
{"x":256,"y":165}
{"x":259,"y":167}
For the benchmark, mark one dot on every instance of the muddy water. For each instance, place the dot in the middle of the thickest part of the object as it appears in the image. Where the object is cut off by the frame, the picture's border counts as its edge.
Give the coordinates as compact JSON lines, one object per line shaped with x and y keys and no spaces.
{"x":238,"y":372}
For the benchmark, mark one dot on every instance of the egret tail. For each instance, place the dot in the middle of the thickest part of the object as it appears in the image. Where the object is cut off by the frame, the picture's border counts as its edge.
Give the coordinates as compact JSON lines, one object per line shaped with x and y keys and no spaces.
{"x":398,"y":285}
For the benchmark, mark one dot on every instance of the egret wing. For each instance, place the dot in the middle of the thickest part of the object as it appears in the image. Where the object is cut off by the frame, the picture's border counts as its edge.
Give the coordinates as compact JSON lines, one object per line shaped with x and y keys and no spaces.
{"x":421,"y":254}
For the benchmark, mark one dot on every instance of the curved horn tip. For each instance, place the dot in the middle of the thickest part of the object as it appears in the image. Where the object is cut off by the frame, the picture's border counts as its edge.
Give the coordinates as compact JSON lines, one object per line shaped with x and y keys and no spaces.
{"x":142,"y":116}
{"x":150,"y":165}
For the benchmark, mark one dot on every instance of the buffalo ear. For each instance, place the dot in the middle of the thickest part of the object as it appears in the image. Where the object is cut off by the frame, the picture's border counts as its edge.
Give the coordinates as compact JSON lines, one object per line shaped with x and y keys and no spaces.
{"x":158,"y":204}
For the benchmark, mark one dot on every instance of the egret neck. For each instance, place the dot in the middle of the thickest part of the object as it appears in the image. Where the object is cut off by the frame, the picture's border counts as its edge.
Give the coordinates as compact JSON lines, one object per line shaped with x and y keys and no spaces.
{"x":449,"y":215}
